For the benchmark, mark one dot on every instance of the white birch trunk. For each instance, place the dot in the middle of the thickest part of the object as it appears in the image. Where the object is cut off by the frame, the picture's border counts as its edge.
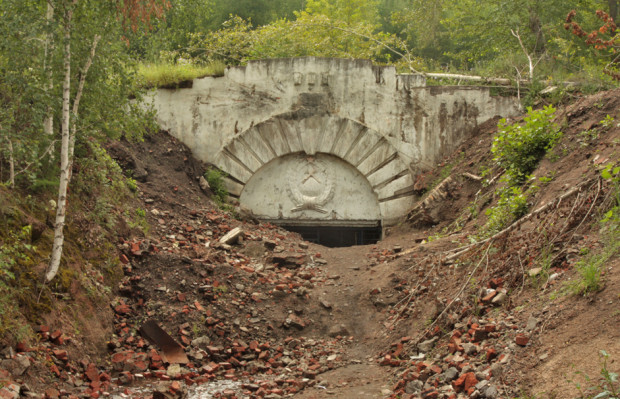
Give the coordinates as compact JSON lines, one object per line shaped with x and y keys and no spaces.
{"x":64,"y":155}
{"x":78,"y":97}
{"x":48,"y":123}
{"x":529,"y":57}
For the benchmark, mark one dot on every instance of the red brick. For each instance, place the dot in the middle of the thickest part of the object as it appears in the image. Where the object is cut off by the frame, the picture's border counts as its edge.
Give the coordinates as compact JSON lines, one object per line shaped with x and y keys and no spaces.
{"x":61,"y":354}
{"x":464,"y":382}
{"x":430,"y":394}
{"x":491,"y":354}
{"x":122,"y":309}
{"x":522,"y":339}
{"x":92,"y":373}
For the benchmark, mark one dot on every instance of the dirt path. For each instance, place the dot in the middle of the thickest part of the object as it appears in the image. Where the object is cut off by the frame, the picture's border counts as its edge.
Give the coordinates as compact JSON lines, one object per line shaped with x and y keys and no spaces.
{"x":363,"y":290}
{"x":352,"y":276}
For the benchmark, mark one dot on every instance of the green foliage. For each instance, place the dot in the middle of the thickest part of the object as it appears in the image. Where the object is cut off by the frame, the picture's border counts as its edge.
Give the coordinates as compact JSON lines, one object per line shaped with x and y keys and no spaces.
{"x":349,"y":11}
{"x":259,"y":12}
{"x":215,"y":178}
{"x":15,"y":248}
{"x":30,"y":84}
{"x":546,"y":179}
{"x":606,"y":386}
{"x":137,"y":220}
{"x":23,"y":98}
{"x":608,"y":122}
{"x":589,"y":271}
{"x":100,"y":177}
{"x":512,"y":204}
{"x":16,"y":256}
{"x":309,"y":34}
{"x":611,"y":173}
{"x":464,"y":35}
{"x":169,"y":74}
{"x":518,"y":148}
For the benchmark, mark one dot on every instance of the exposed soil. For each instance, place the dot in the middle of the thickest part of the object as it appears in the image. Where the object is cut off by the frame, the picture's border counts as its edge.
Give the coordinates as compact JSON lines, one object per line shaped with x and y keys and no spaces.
{"x":279,"y":317}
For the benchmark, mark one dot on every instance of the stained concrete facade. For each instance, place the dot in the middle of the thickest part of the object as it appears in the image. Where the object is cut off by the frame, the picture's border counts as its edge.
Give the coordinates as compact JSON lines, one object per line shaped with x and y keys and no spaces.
{"x":324,"y":141}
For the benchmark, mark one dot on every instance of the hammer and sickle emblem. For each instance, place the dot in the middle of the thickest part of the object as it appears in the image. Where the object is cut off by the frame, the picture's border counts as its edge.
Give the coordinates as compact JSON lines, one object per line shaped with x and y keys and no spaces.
{"x":314,"y":190}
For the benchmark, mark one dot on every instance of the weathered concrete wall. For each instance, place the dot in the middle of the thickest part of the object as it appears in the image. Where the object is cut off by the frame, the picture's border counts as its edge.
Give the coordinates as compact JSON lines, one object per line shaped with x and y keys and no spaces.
{"x":387,"y":126}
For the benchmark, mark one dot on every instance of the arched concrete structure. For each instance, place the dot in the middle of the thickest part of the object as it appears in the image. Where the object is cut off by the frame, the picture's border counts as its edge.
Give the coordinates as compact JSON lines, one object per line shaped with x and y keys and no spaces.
{"x":387,"y":127}
{"x":318,"y":189}
{"x":367,"y":151}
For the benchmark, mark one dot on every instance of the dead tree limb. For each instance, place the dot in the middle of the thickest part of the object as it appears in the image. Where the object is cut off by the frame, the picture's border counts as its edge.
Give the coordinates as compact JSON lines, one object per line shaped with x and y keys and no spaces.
{"x":517,"y":223}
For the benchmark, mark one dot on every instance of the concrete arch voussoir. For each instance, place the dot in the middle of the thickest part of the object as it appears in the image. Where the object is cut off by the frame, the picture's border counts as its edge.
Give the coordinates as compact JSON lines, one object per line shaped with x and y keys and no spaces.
{"x":364,"y":148}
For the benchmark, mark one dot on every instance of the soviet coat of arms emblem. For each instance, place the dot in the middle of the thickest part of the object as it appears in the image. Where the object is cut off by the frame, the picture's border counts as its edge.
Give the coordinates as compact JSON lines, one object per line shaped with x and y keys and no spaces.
{"x":309,"y":186}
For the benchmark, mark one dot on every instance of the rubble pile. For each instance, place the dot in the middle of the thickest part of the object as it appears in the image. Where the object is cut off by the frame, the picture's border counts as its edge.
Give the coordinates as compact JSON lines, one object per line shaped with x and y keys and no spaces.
{"x":236,"y":316}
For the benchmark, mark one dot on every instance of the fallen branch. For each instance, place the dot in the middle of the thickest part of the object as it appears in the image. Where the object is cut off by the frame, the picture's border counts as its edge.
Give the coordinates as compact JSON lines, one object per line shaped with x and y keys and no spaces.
{"x":517,"y":223}
{"x":472,"y":176}
{"x":498,"y":81}
{"x":474,"y":78}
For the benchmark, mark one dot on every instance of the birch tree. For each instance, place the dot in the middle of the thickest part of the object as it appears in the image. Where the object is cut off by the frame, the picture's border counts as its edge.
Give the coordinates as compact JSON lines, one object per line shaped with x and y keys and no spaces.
{"x":134,"y":14}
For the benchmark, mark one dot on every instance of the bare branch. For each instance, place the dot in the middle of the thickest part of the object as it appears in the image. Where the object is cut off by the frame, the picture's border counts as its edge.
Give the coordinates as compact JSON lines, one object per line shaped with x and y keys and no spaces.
{"x":45,"y":153}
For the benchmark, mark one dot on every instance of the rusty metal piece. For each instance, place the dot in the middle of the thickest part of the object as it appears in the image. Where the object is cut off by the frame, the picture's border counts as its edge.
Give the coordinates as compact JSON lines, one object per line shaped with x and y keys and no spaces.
{"x":170,"y":350}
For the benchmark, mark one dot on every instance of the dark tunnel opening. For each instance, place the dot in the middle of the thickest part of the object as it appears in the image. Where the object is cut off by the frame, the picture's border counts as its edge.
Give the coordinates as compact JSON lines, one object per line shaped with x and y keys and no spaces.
{"x":334,"y":236}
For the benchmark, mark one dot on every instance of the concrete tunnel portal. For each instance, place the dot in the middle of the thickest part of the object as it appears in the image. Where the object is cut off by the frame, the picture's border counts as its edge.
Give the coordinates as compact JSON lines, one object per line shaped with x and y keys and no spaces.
{"x":319,"y":196}
{"x":329,"y":148}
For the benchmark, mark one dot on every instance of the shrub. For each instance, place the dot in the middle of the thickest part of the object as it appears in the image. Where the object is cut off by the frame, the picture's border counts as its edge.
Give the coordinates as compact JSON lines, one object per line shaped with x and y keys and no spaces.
{"x":215,"y":178}
{"x":512,"y":205}
{"x":518,"y":148}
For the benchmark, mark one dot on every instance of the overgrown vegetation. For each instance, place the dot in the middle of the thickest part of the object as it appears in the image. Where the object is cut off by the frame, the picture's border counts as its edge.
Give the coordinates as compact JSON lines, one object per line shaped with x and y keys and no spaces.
{"x":16,"y":251}
{"x":519,"y":147}
{"x":512,"y":204}
{"x":522,"y":39}
{"x":100,"y":177}
{"x":168,"y":74}
{"x":215,"y":178}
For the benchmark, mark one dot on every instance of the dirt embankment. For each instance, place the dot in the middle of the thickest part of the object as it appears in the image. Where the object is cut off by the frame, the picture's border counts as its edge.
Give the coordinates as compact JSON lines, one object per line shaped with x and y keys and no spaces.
{"x":269,"y":315}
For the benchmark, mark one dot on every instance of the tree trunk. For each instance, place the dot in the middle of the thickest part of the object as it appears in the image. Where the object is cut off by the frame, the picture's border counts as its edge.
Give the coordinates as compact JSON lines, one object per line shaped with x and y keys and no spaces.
{"x":48,"y":123}
{"x":530,"y":62}
{"x":11,"y":165}
{"x":64,"y":154}
{"x":613,"y":9}
{"x":78,"y":97}
{"x":536,"y":28}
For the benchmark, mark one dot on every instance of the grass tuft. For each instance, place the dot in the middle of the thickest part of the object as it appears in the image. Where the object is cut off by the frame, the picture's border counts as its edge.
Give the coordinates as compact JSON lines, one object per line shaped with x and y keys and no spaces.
{"x":170,"y":75}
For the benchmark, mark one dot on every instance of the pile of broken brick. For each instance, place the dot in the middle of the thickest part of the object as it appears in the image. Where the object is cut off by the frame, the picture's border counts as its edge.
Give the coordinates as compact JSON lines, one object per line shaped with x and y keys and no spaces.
{"x":209,"y":305}
{"x":466,"y":356}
